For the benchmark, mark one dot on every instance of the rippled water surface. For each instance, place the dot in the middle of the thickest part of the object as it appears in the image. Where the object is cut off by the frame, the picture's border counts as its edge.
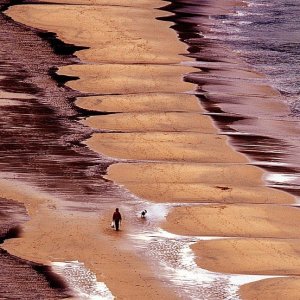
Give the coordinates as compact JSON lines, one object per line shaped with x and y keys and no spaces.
{"x":267,"y":35}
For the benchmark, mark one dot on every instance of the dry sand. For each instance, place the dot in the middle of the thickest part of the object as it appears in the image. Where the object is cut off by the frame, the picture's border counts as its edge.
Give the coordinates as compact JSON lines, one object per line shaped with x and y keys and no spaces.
{"x":128,"y":34}
{"x":165,"y":146}
{"x":206,"y":193}
{"x":182,"y":157}
{"x":250,"y":256}
{"x":151,"y":102}
{"x":272,"y":289}
{"x":213,"y":173}
{"x":272,"y":221}
{"x":127,"y":79}
{"x":157,"y":122}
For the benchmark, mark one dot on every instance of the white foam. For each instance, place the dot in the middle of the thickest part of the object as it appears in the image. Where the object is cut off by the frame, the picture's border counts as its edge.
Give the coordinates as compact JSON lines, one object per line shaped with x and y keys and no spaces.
{"x":175,"y":261}
{"x":280,"y":177}
{"x":82,"y":281}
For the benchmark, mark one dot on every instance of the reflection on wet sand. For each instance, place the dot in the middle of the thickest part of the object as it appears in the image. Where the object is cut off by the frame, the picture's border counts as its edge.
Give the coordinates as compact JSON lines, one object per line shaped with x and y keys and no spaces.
{"x":164,"y":149}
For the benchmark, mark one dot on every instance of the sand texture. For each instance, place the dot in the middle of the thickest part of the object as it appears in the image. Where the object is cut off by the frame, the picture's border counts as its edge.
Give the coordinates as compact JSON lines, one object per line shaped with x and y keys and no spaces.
{"x":83,"y":238}
{"x":250,"y":256}
{"x":140,"y":67}
{"x":165,"y":149}
{"x":252,"y":221}
{"x":270,"y":289}
{"x":164,"y":146}
{"x":128,"y":34}
{"x":137,"y":103}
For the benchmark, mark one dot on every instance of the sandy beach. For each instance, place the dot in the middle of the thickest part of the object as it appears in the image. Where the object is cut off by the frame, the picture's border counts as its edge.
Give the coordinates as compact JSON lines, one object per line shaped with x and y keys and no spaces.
{"x":162,"y":146}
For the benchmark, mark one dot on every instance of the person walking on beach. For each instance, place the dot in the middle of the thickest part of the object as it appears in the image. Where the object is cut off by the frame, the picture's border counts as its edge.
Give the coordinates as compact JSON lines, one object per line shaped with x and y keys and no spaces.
{"x":117,"y":218}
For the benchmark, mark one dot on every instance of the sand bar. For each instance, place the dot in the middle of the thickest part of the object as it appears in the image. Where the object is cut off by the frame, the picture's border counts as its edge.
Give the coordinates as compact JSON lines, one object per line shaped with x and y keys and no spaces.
{"x":153,"y":122}
{"x":235,"y":221}
{"x":186,"y":173}
{"x":149,"y":102}
{"x":207,"y":193}
{"x":165,"y":146}
{"x":270,"y":289}
{"x":128,"y":34}
{"x":127,"y":79}
{"x":150,"y":4}
{"x":250,"y":256}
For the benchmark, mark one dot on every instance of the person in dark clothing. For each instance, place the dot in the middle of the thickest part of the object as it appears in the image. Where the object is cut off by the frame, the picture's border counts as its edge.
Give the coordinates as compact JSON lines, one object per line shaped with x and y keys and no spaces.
{"x":143,"y":213}
{"x":117,"y":218}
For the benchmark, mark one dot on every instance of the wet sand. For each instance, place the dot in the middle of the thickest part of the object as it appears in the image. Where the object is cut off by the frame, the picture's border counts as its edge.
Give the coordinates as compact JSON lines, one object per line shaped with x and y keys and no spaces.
{"x":22,"y":278}
{"x":171,"y":152}
{"x":85,"y":237}
{"x":43,"y":241}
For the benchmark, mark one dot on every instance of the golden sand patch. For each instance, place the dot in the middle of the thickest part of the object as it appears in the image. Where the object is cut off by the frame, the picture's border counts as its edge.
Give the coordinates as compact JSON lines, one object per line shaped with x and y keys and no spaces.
{"x":249,"y":256}
{"x":173,"y":173}
{"x":165,"y":146}
{"x":113,"y":33}
{"x":271,"y":289}
{"x":151,"y":102}
{"x":235,"y":221}
{"x":126,"y":3}
{"x":152,"y":122}
{"x":207,"y":193}
{"x":127,"y":79}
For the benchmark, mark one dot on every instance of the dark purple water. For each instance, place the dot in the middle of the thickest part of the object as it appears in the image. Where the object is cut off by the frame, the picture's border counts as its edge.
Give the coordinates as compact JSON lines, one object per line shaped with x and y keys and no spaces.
{"x":267,"y":35}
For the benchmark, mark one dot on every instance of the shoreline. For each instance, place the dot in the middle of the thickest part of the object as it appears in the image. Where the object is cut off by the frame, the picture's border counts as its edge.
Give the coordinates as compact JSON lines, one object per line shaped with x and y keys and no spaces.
{"x":112,"y":123}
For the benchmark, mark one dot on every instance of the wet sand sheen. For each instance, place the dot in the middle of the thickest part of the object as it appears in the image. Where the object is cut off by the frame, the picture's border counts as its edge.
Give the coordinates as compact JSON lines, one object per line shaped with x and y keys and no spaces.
{"x":44,"y":241}
{"x":172,"y":132}
{"x":43,"y":231}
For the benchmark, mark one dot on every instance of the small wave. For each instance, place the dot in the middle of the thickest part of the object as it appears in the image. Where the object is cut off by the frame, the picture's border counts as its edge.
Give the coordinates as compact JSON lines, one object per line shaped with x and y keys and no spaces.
{"x":178,"y":265}
{"x":242,"y":13}
{"x":256,"y":4}
{"x":82,"y":281}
